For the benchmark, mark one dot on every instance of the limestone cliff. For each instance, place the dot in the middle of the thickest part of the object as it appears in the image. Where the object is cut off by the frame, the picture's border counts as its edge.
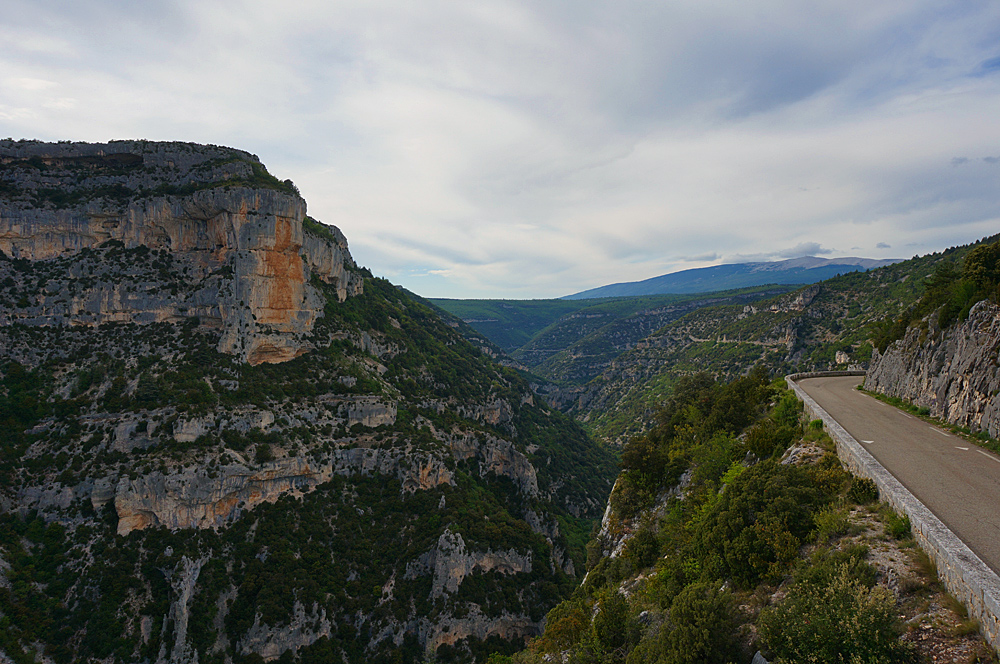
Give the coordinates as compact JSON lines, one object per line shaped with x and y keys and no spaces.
{"x":953,"y":373}
{"x":210,"y":497}
{"x":242,"y":258}
{"x":222,"y":440}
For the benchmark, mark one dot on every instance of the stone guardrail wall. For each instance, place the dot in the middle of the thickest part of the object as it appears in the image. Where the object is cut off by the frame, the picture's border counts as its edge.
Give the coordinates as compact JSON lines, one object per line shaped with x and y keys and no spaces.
{"x":965,"y":575}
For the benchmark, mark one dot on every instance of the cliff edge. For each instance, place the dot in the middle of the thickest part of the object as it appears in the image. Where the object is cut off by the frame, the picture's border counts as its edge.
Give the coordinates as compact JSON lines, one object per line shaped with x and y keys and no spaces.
{"x":229,"y":234}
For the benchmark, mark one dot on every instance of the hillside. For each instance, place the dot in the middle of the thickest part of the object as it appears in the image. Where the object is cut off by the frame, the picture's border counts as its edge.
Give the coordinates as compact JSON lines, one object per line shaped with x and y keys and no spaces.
{"x":824,"y":326}
{"x":734,"y":530}
{"x":579,"y":346}
{"x":540,"y":333}
{"x":223,"y":441}
{"x":508,"y":323}
{"x":806,"y":270}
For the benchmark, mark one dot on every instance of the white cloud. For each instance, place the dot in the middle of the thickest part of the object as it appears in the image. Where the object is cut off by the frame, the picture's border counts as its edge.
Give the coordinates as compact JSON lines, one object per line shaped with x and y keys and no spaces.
{"x":517,"y":149}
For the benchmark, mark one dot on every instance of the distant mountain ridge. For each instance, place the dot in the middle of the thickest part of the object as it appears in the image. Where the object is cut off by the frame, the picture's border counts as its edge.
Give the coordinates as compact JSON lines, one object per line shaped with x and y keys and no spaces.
{"x":805,"y":270}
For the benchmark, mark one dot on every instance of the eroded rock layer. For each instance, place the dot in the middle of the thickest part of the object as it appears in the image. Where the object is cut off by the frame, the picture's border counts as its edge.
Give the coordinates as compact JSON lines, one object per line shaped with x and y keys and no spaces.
{"x":245,"y":262}
{"x":953,"y":373}
{"x":221,"y":441}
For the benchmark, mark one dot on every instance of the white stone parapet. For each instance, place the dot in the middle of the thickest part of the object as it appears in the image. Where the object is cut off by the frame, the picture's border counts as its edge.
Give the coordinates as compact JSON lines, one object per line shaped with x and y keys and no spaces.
{"x":965,"y":575}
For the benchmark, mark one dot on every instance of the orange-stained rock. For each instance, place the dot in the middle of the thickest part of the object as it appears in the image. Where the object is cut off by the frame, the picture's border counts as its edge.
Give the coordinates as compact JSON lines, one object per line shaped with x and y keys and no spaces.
{"x":264,"y":305}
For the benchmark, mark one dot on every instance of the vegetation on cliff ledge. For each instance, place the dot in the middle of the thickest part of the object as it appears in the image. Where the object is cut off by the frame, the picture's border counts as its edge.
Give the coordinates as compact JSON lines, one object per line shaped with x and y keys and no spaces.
{"x":705,"y":523}
{"x":390,"y":494}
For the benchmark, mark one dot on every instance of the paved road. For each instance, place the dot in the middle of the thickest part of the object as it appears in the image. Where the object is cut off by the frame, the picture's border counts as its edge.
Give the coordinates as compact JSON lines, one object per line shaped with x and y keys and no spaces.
{"x":958,"y":481}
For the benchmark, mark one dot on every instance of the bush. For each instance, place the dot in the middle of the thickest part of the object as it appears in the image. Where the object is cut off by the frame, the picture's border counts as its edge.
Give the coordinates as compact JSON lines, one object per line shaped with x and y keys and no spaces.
{"x":643,"y":549}
{"x":897,"y":527}
{"x":630,"y":496}
{"x":714,"y":457}
{"x":788,"y":410}
{"x":263,"y":453}
{"x":766,"y":438}
{"x":703,"y":627}
{"x":863,"y":491}
{"x":755,"y":528}
{"x":825,"y":564}
{"x":982,"y":266}
{"x":842,"y":621}
{"x":564,"y":626}
{"x":830,"y":523}
{"x":614,"y":633}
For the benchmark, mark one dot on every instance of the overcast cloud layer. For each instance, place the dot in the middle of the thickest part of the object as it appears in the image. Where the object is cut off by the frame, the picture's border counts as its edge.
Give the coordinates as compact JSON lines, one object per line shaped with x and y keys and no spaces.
{"x":536,"y":149}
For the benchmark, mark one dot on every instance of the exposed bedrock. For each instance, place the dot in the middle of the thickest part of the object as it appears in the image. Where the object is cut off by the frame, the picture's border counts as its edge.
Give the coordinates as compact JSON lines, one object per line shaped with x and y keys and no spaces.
{"x":954,"y":373}
{"x":245,"y":258}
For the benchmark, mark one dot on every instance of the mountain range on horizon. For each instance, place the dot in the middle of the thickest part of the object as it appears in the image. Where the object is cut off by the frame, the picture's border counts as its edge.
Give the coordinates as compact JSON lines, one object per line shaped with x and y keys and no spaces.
{"x":803,"y":270}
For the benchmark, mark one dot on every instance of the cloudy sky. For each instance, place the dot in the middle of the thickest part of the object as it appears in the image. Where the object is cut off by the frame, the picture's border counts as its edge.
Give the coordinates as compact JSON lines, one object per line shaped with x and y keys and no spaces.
{"x":534,"y":149}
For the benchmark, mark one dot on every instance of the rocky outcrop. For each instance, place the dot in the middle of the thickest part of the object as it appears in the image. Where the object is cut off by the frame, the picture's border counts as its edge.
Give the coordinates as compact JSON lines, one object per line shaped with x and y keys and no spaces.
{"x":241,"y":253}
{"x":497,"y":456}
{"x":475,"y":624}
{"x":303,"y":629}
{"x":205,"y":498}
{"x":449,"y":563}
{"x":183,"y":581}
{"x":953,"y":373}
{"x":211,"y":496}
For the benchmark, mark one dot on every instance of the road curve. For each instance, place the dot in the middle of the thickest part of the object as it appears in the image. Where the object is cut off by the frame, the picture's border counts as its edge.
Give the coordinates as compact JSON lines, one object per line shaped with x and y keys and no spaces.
{"x":955,"y":479}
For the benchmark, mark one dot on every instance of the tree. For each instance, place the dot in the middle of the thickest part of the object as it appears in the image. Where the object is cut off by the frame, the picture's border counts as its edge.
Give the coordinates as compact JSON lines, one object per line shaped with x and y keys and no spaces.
{"x":703,"y":627}
{"x":982,"y":265}
{"x":614,"y":633}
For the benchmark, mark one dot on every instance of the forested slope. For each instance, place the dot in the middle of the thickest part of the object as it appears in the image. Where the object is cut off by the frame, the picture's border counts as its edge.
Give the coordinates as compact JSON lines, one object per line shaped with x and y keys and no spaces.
{"x":829,"y":325}
{"x":223,"y":441}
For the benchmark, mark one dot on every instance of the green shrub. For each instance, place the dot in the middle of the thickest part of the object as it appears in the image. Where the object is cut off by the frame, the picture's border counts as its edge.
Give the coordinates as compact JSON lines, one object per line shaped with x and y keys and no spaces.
{"x":753,"y":531}
{"x":827,"y":563}
{"x":564,"y":626}
{"x":862,"y":491}
{"x":982,"y":265}
{"x":713,"y":458}
{"x":830,"y":523}
{"x":643,"y":549}
{"x":767,"y":438}
{"x":897,"y":527}
{"x":788,"y":411}
{"x":630,"y":496}
{"x":703,"y":627}
{"x":844,"y":620}
{"x":263,"y":453}
{"x":614,"y":632}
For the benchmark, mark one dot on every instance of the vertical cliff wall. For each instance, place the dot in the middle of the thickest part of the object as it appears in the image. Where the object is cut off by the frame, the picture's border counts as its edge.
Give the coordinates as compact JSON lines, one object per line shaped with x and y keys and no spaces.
{"x":235,"y":232}
{"x":215,"y":445}
{"x":953,"y":373}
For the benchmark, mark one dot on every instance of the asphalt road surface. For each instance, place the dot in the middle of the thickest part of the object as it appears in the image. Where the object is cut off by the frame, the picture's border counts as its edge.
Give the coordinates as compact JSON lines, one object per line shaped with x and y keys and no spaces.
{"x":958,"y":481}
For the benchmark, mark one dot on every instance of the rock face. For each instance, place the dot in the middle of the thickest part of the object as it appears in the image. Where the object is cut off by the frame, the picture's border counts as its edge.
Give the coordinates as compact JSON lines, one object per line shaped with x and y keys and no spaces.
{"x":235,"y":450}
{"x":449,"y":563}
{"x":303,"y":629}
{"x":954,"y":373}
{"x":245,"y":259}
{"x":211,"y":497}
{"x":196,"y":499}
{"x":183,"y":580}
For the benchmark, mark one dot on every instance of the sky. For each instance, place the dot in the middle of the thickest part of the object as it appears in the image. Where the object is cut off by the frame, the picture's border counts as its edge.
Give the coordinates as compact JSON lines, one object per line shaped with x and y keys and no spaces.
{"x":536,"y":149}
